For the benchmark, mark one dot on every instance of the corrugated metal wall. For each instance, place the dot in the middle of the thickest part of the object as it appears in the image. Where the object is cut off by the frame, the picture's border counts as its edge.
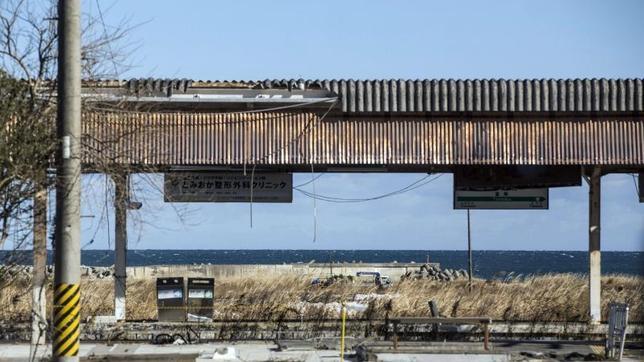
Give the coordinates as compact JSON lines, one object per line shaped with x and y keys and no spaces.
{"x":184,"y":138}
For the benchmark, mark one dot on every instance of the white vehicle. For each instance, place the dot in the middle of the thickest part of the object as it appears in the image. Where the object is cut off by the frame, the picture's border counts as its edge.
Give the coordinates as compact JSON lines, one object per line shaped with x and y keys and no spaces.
{"x":382,"y":281}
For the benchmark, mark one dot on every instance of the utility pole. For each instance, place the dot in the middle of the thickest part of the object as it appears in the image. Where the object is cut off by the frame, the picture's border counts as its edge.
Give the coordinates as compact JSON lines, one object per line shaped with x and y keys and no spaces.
{"x":66,"y":316}
{"x":469,"y":252}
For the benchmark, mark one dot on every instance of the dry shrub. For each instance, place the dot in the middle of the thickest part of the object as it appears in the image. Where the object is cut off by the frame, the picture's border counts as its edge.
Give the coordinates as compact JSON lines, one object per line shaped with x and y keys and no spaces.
{"x":554,"y":297}
{"x":16,"y":299}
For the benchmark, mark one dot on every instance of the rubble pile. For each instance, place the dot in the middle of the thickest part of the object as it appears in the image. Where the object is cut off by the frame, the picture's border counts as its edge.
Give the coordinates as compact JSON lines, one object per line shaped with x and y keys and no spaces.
{"x":26,"y":271}
{"x":434,"y":272}
{"x":97,"y":272}
{"x":15,"y":271}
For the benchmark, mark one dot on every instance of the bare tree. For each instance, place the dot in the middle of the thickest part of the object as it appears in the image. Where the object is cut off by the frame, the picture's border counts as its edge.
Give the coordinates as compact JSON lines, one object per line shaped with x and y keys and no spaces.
{"x":28,"y":66}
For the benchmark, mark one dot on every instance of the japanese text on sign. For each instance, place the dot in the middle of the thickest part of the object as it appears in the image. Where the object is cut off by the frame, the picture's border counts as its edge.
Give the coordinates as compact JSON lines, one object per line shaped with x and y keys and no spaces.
{"x":228,"y":187}
{"x":501,"y":199}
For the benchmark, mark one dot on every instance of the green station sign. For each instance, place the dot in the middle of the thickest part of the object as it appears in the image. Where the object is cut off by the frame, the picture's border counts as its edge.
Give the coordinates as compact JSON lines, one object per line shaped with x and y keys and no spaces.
{"x":501,"y":199}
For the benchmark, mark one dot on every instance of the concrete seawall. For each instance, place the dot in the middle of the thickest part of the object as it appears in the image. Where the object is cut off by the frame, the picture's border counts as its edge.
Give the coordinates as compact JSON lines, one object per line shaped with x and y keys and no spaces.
{"x":393,"y":270}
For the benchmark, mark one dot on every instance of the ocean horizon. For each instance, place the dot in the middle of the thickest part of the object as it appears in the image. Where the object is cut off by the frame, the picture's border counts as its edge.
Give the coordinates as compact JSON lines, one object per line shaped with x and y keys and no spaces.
{"x":487,"y":263}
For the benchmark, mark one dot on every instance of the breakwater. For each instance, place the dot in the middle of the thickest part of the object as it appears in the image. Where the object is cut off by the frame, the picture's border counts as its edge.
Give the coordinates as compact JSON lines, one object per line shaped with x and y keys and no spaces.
{"x":393,"y":270}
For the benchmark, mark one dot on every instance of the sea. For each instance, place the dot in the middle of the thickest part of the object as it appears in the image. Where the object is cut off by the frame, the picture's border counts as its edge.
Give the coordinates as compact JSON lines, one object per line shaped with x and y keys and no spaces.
{"x":487,"y":264}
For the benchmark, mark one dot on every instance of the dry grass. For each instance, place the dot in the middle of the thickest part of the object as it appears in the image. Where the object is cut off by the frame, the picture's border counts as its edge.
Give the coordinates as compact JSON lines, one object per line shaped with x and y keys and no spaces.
{"x":556,"y":297}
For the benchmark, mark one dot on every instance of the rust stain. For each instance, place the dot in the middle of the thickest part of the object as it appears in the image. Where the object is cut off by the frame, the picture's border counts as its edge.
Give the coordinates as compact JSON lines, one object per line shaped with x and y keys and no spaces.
{"x":180,"y":138}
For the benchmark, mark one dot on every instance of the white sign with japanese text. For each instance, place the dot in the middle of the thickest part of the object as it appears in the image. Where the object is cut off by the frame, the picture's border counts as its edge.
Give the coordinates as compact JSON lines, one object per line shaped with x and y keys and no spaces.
{"x":228,"y":187}
{"x":170,"y":294}
{"x":200,"y":293}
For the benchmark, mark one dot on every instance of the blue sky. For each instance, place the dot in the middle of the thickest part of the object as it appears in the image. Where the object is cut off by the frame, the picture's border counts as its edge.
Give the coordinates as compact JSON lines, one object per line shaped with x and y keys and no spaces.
{"x":379,"y":39}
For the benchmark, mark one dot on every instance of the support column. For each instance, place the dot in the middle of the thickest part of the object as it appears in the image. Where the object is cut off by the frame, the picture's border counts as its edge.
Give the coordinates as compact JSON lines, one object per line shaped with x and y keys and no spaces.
{"x":469,"y":253}
{"x":38,"y":291}
{"x":594,"y":249}
{"x":121,"y":199}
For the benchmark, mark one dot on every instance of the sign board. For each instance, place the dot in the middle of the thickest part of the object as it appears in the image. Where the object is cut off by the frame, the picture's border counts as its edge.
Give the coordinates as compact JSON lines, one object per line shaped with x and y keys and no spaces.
{"x":227,"y":187}
{"x":200,"y":293}
{"x":501,"y":199}
{"x":170,"y":294}
{"x":515,"y":177}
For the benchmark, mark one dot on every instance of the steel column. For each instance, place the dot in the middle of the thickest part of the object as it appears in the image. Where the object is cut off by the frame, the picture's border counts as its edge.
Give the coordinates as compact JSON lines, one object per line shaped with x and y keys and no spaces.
{"x":469,"y":252}
{"x":594,"y":247}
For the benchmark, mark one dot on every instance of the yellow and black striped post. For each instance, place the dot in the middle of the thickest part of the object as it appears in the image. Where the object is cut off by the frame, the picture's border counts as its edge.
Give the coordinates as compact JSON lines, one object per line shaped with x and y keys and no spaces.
{"x":66,"y":340}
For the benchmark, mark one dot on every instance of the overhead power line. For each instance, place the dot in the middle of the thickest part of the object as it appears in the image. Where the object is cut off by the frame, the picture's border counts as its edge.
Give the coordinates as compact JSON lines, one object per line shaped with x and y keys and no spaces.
{"x":309,"y":181}
{"x":330,"y":100}
{"x":412,"y":186}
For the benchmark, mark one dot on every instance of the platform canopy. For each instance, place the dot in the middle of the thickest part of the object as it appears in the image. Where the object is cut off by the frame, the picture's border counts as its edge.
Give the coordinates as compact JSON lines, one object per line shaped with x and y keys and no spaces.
{"x":392,"y":125}
{"x":490,"y":133}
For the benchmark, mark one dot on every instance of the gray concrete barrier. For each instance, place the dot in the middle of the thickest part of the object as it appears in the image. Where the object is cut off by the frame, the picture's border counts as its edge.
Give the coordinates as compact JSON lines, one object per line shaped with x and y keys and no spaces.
{"x":393,"y":270}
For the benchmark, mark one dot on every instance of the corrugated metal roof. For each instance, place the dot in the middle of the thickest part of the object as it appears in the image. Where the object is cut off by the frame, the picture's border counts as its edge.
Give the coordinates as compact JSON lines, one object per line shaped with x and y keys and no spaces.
{"x":442,"y":95}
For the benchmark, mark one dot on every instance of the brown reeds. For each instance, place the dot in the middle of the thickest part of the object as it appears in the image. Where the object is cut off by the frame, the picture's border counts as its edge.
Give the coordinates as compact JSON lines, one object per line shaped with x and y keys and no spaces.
{"x":554,"y":297}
